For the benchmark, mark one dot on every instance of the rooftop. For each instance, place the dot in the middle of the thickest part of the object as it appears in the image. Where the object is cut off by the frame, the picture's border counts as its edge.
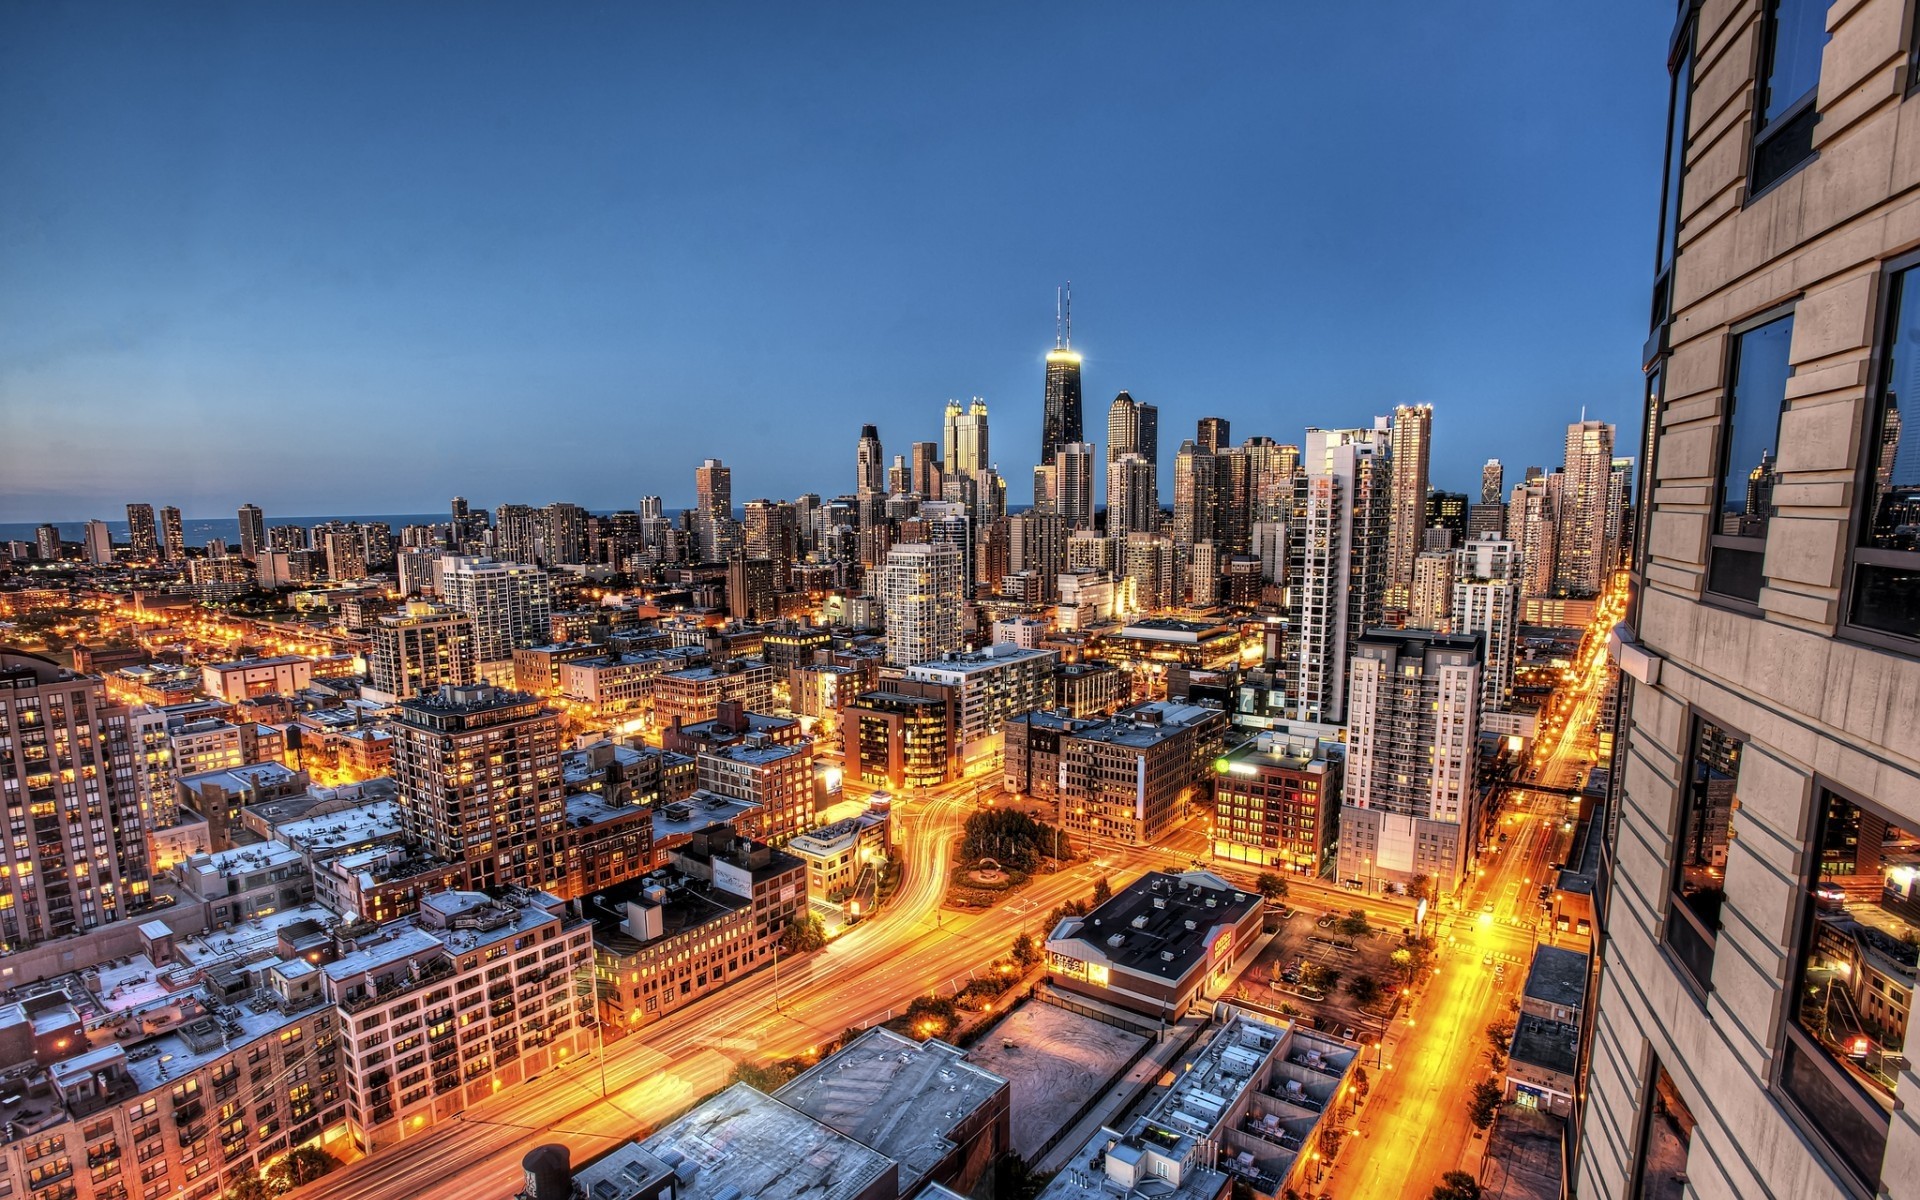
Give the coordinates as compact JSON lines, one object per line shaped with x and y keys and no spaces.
{"x":685,"y":903}
{"x":1543,"y":1043}
{"x":1146,"y":725}
{"x":241,"y":779}
{"x":898,"y":1096}
{"x":1558,"y":977}
{"x":1161,"y":923}
{"x":349,"y":828}
{"x":1001,"y":654}
{"x":697,"y":812}
{"x":748,"y":1144}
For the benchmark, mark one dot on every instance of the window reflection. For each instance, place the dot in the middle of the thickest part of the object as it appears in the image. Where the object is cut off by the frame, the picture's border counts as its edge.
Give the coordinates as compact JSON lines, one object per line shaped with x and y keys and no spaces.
{"x":1669,"y":1131}
{"x":1700,"y":857}
{"x":1886,"y":580}
{"x":1857,"y":973}
{"x":1759,"y":390}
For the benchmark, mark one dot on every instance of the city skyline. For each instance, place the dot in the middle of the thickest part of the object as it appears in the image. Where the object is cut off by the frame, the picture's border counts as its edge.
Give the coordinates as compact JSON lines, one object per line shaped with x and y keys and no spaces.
{"x":603,"y":298}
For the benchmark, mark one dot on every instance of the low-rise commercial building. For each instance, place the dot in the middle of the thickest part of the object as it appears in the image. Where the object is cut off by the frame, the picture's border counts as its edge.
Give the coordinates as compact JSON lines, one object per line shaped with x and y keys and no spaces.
{"x":989,"y":686}
{"x":778,"y":778}
{"x":1128,"y":779}
{"x":1158,"y":945}
{"x":1544,"y":1057}
{"x":1276,"y":803}
{"x":696,"y":693}
{"x":900,"y":736}
{"x":282,"y":675}
{"x":836,"y":854}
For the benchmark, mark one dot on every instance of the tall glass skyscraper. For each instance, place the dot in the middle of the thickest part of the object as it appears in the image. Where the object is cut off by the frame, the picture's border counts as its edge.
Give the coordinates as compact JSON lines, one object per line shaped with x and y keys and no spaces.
{"x":1060,"y":427}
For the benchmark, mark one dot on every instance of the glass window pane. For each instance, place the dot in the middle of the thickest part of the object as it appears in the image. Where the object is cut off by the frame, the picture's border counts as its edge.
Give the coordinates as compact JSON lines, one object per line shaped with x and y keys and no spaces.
{"x":1676,"y":158}
{"x":1887,"y":599}
{"x":1663,"y":1151}
{"x":1700,"y":864}
{"x":1858,"y":959}
{"x":1760,"y":371}
{"x":1799,"y":34}
{"x":1895,"y":501}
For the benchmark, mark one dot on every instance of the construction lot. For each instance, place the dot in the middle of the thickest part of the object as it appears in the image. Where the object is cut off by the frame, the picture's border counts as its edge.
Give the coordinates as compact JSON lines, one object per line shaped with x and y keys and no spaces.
{"x":1054,"y":1061}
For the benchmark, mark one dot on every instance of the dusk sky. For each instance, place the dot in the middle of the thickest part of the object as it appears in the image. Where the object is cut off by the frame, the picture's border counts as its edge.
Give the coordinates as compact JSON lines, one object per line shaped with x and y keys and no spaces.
{"x":339,"y":259}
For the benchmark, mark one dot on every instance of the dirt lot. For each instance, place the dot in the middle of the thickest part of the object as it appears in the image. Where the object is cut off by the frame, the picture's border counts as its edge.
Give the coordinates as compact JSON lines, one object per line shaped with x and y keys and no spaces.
{"x":1058,"y":1060}
{"x":1300,"y":941}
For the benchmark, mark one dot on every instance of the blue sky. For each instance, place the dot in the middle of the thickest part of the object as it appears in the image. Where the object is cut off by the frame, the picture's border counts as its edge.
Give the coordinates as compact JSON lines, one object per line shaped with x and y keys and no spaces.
{"x":331,"y":258}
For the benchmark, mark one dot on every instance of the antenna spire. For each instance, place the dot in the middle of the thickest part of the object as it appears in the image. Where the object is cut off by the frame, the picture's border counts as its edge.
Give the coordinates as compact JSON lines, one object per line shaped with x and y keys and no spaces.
{"x":1057,"y":302}
{"x":1067,"y":314}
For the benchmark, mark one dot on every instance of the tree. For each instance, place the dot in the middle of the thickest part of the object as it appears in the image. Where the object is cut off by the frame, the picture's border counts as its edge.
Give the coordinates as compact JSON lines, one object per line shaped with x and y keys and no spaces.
{"x":765,"y":1077}
{"x":1102,"y":891}
{"x":1364,"y":989}
{"x":1500,"y":1035}
{"x":1456,"y":1185}
{"x":1354,"y":924}
{"x":1487,"y":1096}
{"x":805,"y":933}
{"x":1403,"y":959}
{"x":302,"y":1166}
{"x":251,"y":1187}
{"x":1026,"y":951}
{"x":1012,"y":838}
{"x":1271,"y":887}
{"x":1421,"y":888}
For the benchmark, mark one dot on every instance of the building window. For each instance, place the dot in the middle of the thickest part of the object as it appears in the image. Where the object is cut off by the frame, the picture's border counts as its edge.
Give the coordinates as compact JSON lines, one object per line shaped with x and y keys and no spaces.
{"x":1700,"y":855}
{"x":1854,"y":978}
{"x":1792,"y":38}
{"x":1664,"y":1139}
{"x":1757,"y":371}
{"x":1885,"y":595}
{"x":1679,"y":93}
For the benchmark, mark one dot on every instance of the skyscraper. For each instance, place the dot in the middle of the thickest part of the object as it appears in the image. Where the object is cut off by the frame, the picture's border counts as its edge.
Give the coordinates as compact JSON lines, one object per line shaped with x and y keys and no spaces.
{"x":1486,"y":601}
{"x":1214,"y":435}
{"x":921,"y":591}
{"x":1133,"y":496}
{"x":1133,"y":427}
{"x":253,"y":531}
{"x":173,"y":539}
{"x":869,"y":463}
{"x":1413,"y":728}
{"x":1412,"y":441}
{"x":1531,"y":527}
{"x":1582,"y":562}
{"x":967,"y":449}
{"x":68,"y":751}
{"x":1491,"y":477}
{"x":99,"y":543}
{"x":1338,"y":563}
{"x":1060,"y":419}
{"x":563,"y":533}
{"x":1195,"y":486}
{"x":419,"y":649}
{"x":511,"y":605}
{"x":926,"y":469}
{"x":715,"y":530}
{"x":1073,"y":484}
{"x":478,"y":771}
{"x":143,"y":538}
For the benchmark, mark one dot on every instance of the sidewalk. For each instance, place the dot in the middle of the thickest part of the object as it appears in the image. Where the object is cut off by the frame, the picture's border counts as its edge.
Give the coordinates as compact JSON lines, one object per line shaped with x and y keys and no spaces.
{"x":1177,"y":1041}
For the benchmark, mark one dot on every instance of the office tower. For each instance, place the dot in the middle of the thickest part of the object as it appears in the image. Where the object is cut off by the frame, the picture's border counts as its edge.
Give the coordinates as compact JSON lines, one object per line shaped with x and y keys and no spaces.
{"x":253,"y":531}
{"x":989,"y":501}
{"x":1233,"y":498}
{"x":1203,"y":574}
{"x":899,"y":476}
{"x":1133,"y":427}
{"x":99,"y":544}
{"x":1073,"y":484}
{"x":46,"y":542}
{"x":1581,"y":563}
{"x":967,"y":449}
{"x":1431,"y":599}
{"x":563,"y":533}
{"x":1759,"y":923}
{"x":1195,"y":489}
{"x":420,"y":649}
{"x":68,"y":762}
{"x":1486,"y":601}
{"x":457,"y":510}
{"x":1271,"y":467}
{"x":1043,"y":487}
{"x":173,"y":539}
{"x":921,"y":590}
{"x":1413,"y":728}
{"x":516,"y":530}
{"x":1338,"y":563}
{"x":716,"y":534}
{"x":651,"y":508}
{"x":1412,"y":441}
{"x":1491,"y":477}
{"x":1484,"y":519}
{"x":1060,"y":418}
{"x":1269,"y":544}
{"x":751,"y":593}
{"x":478,"y":771}
{"x":869,"y":463}
{"x":1448,"y":510}
{"x":1214,"y":434}
{"x":143,"y":540}
{"x":1149,"y":568}
{"x":511,"y":605}
{"x":926,"y":468}
{"x":1037,"y":542}
{"x":346,"y":556}
{"x":1531,"y":527}
{"x":1133,"y":496}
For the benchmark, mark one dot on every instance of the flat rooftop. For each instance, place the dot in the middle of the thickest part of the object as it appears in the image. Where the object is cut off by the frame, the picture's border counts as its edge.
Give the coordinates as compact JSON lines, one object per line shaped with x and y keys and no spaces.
{"x":1146,"y":725}
{"x":895,"y":1095}
{"x":1558,"y":977}
{"x":750,"y":1144}
{"x":1543,"y":1043}
{"x":690,"y":904}
{"x":697,"y":812}
{"x":1001,"y":654}
{"x":349,"y":828}
{"x":1144,"y":927}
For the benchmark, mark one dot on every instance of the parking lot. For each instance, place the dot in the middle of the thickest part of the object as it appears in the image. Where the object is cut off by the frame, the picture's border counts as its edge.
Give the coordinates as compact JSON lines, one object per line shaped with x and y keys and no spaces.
{"x":1310,"y":937}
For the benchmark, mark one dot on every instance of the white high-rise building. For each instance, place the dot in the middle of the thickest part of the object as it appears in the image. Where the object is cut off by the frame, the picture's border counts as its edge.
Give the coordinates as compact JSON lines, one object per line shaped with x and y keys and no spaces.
{"x":511,"y":605}
{"x":921,"y":591}
{"x":1133,"y":496}
{"x":1338,"y":567}
{"x":1486,"y":601}
{"x":1073,"y":484}
{"x":1413,"y":725}
{"x":1432,"y":598}
{"x":99,"y":544}
{"x":418,"y":650}
{"x":1587,"y":531}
